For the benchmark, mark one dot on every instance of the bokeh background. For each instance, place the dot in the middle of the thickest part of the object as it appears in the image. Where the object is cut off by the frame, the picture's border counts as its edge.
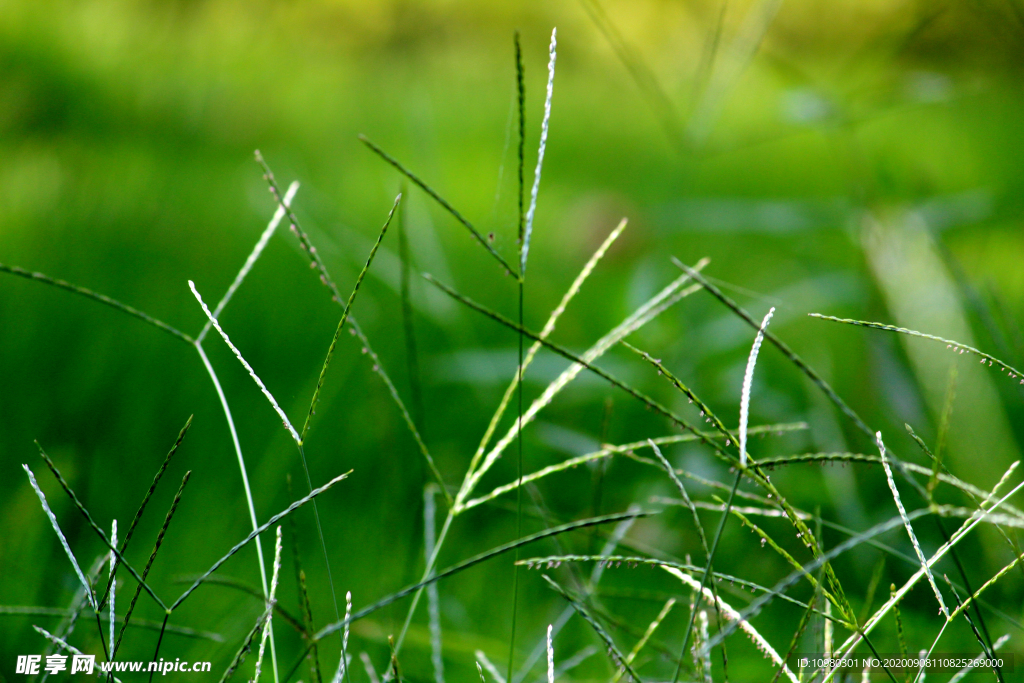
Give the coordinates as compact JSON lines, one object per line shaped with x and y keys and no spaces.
{"x":854,"y":158}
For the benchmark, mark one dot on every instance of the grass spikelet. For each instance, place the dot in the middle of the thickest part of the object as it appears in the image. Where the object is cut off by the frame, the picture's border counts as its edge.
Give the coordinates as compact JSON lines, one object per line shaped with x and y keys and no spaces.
{"x":531,"y":211}
{"x":551,"y":657}
{"x":61,"y":643}
{"x":702,"y":655}
{"x":145,"y":499}
{"x":618,"y":659}
{"x":96,"y":529}
{"x":113,"y":581}
{"x":651,"y":628}
{"x":957,"y":347}
{"x":244,"y":649}
{"x":548,"y":328}
{"x":748,"y":378}
{"x":60,"y":536}
{"x":433,"y":600}
{"x":521,"y":92}
{"x":962,"y":673}
{"x":245,"y":364}
{"x":271,"y":602}
{"x":705,"y":411}
{"x":256,"y":532}
{"x":371,"y":673}
{"x":487,"y":664}
{"x":344,"y":318}
{"x":906,"y":523}
{"x":974,"y":629}
{"x":734,"y":616}
{"x":149,"y":563}
{"x":254,"y":255}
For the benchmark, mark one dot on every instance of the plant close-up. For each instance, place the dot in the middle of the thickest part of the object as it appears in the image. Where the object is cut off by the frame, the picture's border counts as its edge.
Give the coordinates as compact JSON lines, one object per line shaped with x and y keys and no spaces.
{"x":511,"y":342}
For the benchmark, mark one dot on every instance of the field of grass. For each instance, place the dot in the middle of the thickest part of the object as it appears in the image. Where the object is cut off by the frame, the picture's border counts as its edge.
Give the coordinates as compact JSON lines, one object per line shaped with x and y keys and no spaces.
{"x":748,"y":275}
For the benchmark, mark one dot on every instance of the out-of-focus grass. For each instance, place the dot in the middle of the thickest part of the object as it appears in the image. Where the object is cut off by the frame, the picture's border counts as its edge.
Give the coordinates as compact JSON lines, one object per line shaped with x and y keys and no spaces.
{"x":126,"y":134}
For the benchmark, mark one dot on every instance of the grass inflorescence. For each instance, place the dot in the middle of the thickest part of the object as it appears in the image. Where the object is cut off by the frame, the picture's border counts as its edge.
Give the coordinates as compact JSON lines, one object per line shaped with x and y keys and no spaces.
{"x":723,"y":506}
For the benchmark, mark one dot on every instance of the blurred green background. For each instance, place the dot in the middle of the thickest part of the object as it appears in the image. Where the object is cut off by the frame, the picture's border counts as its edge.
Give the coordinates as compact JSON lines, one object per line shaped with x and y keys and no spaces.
{"x":854,"y":158}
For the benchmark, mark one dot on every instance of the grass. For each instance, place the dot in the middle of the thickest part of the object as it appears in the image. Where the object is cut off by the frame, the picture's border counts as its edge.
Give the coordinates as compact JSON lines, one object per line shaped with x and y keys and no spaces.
{"x":799,"y":596}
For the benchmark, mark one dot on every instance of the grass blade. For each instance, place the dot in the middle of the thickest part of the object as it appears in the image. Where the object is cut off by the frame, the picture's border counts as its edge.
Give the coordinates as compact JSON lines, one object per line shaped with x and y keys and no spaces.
{"x":60,"y":536}
{"x":149,"y":565}
{"x":245,"y":364}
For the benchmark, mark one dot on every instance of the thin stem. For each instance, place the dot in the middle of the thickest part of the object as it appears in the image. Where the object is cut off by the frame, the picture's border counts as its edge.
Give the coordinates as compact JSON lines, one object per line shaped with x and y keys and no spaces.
{"x":440,"y":200}
{"x":96,"y":296}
